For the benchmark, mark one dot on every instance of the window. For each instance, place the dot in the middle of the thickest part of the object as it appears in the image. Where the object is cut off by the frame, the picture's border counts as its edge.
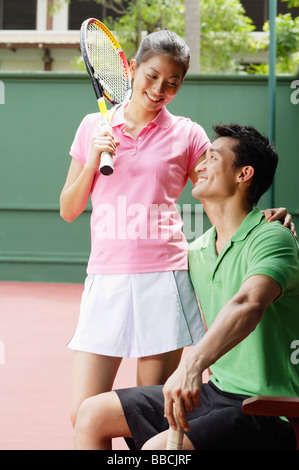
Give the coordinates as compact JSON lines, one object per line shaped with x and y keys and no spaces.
{"x":257,"y":10}
{"x":81,"y":10}
{"x":18,"y":14}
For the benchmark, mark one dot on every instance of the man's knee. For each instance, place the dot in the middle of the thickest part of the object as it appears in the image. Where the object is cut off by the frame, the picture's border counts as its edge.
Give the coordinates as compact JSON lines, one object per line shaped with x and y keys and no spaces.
{"x":157,"y":442}
{"x":84,"y":415}
{"x":81,"y":408}
{"x":102,"y":415}
{"x":90,"y":416}
{"x":90,"y":430}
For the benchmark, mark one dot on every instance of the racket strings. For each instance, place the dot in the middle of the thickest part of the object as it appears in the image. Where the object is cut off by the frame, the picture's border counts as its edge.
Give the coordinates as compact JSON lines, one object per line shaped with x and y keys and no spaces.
{"x":108,"y":65}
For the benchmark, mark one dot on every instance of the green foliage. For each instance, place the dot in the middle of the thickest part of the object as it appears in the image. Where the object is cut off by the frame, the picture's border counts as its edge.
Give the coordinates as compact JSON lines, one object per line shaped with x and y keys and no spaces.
{"x":224,"y":29}
{"x":292,"y":3}
{"x":287,"y":38}
{"x":55,"y":5}
{"x":144,"y":17}
{"x":224,"y":36}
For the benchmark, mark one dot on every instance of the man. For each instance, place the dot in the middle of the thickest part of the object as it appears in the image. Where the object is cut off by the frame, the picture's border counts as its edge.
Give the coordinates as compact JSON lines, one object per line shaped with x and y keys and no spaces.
{"x":246,"y":276}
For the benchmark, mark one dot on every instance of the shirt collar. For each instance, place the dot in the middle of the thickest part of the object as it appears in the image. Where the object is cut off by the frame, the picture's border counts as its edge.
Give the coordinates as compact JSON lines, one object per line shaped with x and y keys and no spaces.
{"x":163,"y":119}
{"x":249,"y":223}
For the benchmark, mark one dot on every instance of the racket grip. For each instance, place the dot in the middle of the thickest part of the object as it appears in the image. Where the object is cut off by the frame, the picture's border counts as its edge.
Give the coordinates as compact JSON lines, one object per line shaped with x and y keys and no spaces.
{"x":106,"y":165}
{"x":175,"y":437}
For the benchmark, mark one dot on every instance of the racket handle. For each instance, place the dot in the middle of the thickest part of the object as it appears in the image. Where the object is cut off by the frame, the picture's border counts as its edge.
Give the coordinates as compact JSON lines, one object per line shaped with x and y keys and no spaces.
{"x":175,"y":437}
{"x":106,"y":165}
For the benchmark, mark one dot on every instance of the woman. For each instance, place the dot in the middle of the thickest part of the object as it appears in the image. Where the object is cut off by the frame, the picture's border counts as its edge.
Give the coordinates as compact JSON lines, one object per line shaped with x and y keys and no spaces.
{"x":138,"y":300}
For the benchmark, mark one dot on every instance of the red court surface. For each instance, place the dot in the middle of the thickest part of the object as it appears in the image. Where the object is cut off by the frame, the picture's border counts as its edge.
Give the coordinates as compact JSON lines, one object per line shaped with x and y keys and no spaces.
{"x":36,"y":323}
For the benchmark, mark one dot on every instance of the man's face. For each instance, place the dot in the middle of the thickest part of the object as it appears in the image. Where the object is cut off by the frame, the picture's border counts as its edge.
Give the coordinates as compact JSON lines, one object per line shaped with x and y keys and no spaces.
{"x":216,"y":174}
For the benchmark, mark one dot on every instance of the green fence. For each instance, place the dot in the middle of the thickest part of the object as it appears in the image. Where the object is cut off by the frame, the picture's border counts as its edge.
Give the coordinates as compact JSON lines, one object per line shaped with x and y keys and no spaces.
{"x":39,"y":114}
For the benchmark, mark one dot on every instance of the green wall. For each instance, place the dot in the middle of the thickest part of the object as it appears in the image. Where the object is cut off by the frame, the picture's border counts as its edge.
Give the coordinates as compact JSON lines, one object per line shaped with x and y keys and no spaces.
{"x":38,"y":120}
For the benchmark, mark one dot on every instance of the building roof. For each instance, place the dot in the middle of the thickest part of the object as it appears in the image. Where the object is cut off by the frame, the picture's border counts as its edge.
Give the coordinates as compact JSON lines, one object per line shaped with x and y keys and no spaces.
{"x":15,"y":39}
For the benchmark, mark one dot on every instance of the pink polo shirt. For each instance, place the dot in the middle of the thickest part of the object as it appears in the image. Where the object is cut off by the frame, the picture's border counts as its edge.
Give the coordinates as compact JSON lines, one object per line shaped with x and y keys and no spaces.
{"x":135,"y":223}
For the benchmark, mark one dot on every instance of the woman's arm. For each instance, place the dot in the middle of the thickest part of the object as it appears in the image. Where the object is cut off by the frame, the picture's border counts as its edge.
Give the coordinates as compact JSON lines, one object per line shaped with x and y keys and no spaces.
{"x":76,"y":191}
{"x":193,"y":175}
{"x":283,"y":216}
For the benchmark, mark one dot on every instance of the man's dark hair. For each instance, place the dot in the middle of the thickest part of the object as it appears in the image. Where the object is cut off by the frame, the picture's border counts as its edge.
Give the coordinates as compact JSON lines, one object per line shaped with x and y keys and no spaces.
{"x":254,"y":149}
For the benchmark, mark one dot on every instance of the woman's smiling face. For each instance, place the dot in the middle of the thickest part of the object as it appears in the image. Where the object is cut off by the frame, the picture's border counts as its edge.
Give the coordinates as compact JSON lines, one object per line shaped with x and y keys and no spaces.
{"x":156,"y":81}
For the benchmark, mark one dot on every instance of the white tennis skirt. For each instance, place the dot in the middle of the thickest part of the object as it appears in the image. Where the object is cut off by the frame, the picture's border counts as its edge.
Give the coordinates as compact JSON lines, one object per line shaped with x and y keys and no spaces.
{"x":137,"y":315}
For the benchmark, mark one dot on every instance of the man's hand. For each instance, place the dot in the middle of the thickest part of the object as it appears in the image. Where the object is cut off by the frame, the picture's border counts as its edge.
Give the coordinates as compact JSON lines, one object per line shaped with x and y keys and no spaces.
{"x":183,"y":388}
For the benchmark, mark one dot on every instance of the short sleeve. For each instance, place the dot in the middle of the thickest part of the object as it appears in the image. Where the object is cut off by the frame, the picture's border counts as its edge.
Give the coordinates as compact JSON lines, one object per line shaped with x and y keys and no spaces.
{"x":80,"y":147}
{"x":274,"y":253}
{"x":198,"y":144}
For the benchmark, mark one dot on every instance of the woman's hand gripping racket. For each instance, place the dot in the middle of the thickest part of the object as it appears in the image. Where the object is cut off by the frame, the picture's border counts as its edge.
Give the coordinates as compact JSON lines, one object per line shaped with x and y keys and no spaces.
{"x":109,"y":72}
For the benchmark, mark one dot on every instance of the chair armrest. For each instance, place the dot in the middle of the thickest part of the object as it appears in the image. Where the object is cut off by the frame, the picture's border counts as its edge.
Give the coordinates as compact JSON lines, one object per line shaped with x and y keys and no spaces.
{"x":271,"y":406}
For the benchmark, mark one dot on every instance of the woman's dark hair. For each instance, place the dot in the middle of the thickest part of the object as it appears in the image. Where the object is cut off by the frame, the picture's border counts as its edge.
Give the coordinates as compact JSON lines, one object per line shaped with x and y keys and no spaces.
{"x":253,"y":149}
{"x":164,"y":42}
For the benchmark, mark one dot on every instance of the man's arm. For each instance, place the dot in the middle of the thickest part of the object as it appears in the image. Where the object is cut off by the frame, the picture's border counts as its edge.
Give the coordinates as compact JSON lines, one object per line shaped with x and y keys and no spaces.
{"x":235,"y":321}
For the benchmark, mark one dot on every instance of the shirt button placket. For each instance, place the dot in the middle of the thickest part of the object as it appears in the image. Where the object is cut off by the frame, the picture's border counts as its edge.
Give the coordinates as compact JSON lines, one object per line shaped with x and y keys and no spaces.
{"x":137,"y":143}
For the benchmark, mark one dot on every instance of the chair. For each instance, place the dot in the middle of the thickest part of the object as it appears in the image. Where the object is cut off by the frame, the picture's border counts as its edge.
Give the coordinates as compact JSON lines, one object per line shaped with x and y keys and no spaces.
{"x":275,"y":406}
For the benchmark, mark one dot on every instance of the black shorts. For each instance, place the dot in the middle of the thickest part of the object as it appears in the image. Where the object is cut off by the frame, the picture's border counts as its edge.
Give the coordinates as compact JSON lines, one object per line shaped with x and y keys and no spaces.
{"x":217,"y":424}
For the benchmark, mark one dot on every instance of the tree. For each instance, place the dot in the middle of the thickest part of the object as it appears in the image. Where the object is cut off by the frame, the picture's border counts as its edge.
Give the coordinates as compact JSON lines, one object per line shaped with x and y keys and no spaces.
{"x":138,"y":17}
{"x":144,"y":17}
{"x":225,"y":37}
{"x":192,"y":33}
{"x":292,"y":3}
{"x":217,"y":32}
{"x":287,"y":39}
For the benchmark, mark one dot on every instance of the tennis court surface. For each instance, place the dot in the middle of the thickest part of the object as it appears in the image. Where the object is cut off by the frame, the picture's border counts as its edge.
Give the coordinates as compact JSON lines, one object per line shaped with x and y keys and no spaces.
{"x":36,"y":322}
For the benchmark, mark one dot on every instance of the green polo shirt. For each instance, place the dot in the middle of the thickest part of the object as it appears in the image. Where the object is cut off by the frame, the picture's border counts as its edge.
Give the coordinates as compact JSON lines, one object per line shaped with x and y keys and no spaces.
{"x":266,"y":362}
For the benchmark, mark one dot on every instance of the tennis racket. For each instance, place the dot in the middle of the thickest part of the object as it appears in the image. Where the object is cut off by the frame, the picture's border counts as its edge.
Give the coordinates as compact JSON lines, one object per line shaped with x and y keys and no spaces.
{"x":108,"y":70}
{"x":175,"y":437}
